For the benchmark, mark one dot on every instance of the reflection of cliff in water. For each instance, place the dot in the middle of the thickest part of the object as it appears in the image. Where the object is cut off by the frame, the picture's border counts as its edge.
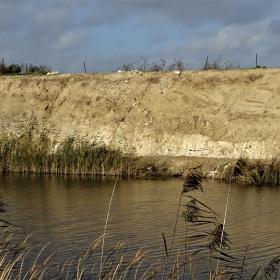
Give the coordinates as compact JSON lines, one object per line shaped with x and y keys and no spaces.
{"x":70,"y":214}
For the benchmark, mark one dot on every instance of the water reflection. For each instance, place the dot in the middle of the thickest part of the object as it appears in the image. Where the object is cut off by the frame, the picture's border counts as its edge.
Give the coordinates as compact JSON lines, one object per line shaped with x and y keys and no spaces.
{"x":70,"y":213}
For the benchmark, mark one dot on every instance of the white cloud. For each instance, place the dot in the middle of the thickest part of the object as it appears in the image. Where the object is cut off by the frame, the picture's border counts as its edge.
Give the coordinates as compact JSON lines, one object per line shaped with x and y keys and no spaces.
{"x":241,"y":41}
{"x":61,"y":32}
{"x":70,"y":40}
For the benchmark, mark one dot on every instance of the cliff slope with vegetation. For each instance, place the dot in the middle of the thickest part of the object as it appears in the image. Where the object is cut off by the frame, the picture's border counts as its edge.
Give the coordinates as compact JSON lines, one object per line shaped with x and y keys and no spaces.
{"x":217,"y":114}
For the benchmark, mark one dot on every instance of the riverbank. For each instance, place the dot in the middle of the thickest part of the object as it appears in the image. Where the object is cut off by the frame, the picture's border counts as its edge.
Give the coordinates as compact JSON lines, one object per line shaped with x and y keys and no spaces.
{"x":212,"y":114}
{"x":155,"y":123}
{"x":35,"y":151}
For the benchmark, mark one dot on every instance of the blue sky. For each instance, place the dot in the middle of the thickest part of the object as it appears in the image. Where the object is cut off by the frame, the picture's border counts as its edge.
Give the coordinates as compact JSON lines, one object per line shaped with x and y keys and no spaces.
{"x":109,"y":33}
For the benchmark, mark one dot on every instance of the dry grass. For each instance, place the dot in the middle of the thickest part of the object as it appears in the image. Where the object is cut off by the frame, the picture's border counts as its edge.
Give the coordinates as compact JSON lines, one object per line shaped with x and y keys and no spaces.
{"x":34,"y":151}
{"x":23,"y":262}
{"x":257,"y":173}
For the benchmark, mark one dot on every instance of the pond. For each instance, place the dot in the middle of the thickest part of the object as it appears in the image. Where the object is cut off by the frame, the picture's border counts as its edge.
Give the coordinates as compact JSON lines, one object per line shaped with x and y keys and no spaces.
{"x":69,"y":213}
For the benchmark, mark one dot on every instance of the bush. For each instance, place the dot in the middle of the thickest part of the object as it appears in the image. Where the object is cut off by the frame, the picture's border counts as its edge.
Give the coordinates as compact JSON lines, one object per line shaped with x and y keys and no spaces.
{"x":9,"y":69}
{"x":220,"y":64}
{"x":159,"y":66}
{"x":177,"y":65}
{"x":37,"y":69}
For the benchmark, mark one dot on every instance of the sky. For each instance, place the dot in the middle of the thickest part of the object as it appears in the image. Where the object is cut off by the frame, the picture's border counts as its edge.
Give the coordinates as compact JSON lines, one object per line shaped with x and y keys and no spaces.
{"x":109,"y":33}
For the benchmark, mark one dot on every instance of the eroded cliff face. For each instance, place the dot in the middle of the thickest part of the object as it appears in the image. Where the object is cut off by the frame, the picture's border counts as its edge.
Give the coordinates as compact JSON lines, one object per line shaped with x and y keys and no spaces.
{"x":221,"y":114}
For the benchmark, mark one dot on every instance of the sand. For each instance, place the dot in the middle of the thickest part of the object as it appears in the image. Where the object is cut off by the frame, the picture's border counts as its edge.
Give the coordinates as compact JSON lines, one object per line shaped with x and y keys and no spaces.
{"x":209,"y":114}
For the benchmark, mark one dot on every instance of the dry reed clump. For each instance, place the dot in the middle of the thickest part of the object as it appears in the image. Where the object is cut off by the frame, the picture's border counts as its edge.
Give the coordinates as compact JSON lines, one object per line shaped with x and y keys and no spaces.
{"x":256,"y":173}
{"x":214,"y":243}
{"x":21,"y":261}
{"x":213,"y":238}
{"x":34,"y":151}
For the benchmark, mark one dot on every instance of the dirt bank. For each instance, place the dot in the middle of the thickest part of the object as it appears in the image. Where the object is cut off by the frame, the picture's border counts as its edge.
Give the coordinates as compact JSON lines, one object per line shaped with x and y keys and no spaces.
{"x":217,"y":114}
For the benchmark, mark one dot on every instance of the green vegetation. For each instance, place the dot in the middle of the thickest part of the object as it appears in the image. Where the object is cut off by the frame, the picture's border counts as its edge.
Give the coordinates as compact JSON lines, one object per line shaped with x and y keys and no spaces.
{"x":34,"y":151}
{"x":13,"y":69}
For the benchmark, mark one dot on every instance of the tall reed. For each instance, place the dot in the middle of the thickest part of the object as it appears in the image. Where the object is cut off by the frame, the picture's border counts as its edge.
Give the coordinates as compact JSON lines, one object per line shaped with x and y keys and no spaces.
{"x":255,"y":172}
{"x":35,"y":151}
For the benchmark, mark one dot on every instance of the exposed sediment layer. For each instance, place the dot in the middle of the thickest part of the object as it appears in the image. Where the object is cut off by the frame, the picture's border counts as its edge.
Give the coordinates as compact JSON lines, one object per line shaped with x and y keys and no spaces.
{"x":217,"y":114}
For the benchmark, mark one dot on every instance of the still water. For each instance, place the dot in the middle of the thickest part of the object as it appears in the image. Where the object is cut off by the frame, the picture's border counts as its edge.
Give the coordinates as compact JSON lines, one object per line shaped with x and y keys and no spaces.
{"x":70,"y":213}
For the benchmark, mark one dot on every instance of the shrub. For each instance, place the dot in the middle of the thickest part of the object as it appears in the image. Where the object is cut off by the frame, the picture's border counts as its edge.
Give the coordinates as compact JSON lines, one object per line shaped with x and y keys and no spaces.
{"x":177,"y":65}
{"x":37,"y":69}
{"x":9,"y":69}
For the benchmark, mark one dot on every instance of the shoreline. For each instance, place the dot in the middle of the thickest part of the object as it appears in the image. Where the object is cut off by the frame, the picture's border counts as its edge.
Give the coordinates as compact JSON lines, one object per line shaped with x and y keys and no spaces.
{"x":258,"y":173}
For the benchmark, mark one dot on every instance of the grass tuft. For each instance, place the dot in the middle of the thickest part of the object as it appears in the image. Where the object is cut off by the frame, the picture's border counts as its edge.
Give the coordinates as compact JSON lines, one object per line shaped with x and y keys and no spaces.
{"x":257,"y":173}
{"x":34,"y":151}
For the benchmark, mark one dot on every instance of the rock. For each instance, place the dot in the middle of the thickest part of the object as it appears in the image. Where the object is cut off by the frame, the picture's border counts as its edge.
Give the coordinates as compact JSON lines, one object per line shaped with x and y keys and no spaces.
{"x":53,"y":73}
{"x":177,"y":72}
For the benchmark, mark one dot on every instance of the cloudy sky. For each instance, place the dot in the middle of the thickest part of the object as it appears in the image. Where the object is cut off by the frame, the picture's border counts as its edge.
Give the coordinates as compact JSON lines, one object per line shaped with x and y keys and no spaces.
{"x":109,"y":33}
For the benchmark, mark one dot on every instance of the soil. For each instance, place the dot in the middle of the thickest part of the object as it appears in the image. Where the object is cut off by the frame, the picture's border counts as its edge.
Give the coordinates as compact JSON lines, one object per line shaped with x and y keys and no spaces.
{"x":173,"y":117}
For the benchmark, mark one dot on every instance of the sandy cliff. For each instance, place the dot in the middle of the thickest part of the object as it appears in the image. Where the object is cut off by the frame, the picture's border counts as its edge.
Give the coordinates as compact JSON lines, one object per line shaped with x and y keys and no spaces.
{"x":220,"y":114}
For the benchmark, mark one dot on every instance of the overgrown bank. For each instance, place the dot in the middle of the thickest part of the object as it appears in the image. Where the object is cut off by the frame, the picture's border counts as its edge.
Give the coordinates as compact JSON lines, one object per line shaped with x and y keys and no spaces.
{"x":162,"y":122}
{"x":33,"y":150}
{"x":257,"y":173}
{"x":211,"y":114}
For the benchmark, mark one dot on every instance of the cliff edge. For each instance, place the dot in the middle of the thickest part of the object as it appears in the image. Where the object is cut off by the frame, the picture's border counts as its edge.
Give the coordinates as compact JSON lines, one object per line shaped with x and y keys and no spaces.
{"x":217,"y":114}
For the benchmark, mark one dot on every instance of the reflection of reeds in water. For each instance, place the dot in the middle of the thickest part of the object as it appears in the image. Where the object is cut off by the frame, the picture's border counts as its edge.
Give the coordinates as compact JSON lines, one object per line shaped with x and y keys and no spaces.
{"x":34,"y":151}
{"x":19,"y":261}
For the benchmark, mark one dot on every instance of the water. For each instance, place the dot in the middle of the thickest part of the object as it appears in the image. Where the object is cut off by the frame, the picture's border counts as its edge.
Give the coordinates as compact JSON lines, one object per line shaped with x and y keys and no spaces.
{"x":70,"y":214}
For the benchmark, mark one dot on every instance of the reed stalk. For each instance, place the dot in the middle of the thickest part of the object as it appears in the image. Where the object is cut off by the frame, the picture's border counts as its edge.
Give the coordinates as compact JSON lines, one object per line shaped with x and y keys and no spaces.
{"x":223,"y":230}
{"x":105,"y":228}
{"x":35,"y":151}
